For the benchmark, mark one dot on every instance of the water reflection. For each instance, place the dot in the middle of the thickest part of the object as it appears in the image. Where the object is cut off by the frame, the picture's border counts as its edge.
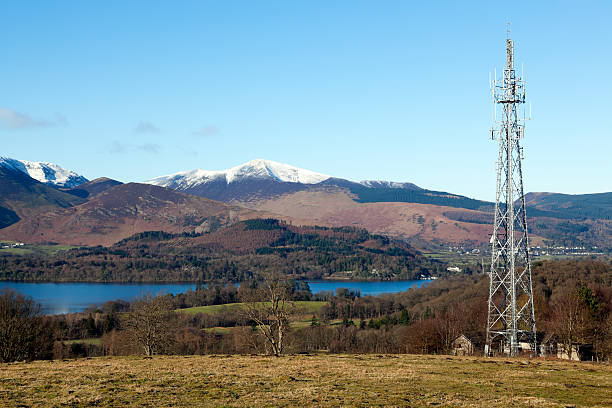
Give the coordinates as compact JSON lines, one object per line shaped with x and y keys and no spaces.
{"x":57,"y":298}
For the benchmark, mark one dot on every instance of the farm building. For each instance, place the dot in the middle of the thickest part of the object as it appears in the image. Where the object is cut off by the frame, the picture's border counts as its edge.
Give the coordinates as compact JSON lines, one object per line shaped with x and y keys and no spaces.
{"x":462,"y":346}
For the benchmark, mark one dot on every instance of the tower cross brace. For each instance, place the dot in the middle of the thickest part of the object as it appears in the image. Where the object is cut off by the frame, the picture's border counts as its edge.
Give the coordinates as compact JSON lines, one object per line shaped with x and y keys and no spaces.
{"x":511,"y":317}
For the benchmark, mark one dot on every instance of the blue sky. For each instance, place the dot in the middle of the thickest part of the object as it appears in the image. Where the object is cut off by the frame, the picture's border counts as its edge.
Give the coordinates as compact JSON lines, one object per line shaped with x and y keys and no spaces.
{"x":361,"y":90}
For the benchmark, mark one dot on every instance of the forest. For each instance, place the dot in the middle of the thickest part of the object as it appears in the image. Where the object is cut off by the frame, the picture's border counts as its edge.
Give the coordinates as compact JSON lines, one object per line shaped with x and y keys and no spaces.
{"x":231,"y":254}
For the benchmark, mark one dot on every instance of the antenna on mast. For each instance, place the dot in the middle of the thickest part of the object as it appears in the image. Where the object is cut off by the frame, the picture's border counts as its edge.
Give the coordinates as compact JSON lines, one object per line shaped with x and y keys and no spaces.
{"x":511,"y":317}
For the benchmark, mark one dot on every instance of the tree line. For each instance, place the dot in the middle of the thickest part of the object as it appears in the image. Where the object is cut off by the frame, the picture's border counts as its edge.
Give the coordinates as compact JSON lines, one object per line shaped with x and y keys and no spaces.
{"x":573,"y":301}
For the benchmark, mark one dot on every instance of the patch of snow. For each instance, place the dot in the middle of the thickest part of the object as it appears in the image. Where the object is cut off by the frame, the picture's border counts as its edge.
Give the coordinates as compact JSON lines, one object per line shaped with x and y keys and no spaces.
{"x":48,"y":173}
{"x":13,"y":164}
{"x":258,"y":169}
{"x":387,"y":184}
{"x":255,"y":169}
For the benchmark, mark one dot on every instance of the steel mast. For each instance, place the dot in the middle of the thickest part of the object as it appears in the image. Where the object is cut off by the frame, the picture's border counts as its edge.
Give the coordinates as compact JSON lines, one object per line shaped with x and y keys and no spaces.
{"x":511,"y":317}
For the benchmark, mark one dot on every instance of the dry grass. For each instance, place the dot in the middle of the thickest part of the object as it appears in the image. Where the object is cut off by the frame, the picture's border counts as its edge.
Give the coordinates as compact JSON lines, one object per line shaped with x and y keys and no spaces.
{"x":302,"y":306}
{"x":96,"y":341}
{"x":305,"y":380}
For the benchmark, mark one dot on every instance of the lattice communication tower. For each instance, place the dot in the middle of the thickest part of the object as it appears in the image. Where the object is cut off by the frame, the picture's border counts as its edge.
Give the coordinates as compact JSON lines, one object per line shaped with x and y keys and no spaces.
{"x":511,"y":318}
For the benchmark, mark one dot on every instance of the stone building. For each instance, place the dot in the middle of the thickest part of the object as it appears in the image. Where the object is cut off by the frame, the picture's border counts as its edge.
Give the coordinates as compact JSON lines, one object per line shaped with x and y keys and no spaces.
{"x":462,"y":346}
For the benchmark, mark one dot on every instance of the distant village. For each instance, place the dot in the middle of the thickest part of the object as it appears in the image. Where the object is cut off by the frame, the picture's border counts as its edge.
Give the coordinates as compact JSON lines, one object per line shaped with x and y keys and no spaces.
{"x":536,"y":251}
{"x":6,"y":245}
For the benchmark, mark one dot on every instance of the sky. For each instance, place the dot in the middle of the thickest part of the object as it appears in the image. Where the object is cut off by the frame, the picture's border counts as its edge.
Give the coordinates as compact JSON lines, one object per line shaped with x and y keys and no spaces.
{"x":391,"y":90}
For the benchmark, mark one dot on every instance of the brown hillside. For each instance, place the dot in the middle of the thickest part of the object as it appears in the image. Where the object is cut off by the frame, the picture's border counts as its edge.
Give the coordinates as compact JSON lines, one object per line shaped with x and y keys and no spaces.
{"x":125,"y":210}
{"x":93,"y":187}
{"x":420,"y":222}
{"x":21,"y":196}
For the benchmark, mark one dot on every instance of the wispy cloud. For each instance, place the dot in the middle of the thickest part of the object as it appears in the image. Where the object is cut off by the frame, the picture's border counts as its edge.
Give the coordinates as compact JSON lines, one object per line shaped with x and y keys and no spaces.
{"x":144,"y":126}
{"x":148,"y":148}
{"x":206,"y":131}
{"x":116,"y":147}
{"x":12,"y":119}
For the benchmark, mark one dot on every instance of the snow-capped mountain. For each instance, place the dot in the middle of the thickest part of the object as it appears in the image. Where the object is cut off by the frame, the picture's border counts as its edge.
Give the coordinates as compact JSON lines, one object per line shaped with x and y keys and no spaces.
{"x":258,"y":169}
{"x":47,"y":173}
{"x":388,"y":184}
{"x":261,"y":179}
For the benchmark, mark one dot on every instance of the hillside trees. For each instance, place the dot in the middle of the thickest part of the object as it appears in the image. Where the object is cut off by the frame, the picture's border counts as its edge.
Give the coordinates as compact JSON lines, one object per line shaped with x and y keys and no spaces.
{"x":24,"y":334}
{"x":582,"y":316}
{"x":231,"y":254}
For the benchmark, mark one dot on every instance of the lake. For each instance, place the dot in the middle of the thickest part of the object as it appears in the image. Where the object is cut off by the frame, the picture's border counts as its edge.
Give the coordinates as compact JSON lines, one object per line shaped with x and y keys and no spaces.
{"x":366,"y":288}
{"x":57,"y":298}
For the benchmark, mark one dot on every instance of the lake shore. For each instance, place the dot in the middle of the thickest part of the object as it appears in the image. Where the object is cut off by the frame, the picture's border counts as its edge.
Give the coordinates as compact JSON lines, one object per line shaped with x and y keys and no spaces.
{"x":64,"y":297}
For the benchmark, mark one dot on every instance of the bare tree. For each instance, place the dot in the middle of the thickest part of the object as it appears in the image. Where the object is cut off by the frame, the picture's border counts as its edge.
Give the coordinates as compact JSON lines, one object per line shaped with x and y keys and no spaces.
{"x":269,"y":308}
{"x":449,"y":324}
{"x":150,"y":324}
{"x":568,"y":321}
{"x":24,"y":334}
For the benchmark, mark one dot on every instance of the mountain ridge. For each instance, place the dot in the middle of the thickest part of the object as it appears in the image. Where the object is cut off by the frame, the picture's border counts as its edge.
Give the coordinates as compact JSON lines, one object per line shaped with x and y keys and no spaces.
{"x":21,"y":196}
{"x":123,"y":210}
{"x":410,"y":212}
{"x":45,"y":172}
{"x":402,"y":210}
{"x":93,"y":187}
{"x":257,"y":168}
{"x":261,"y":169}
{"x":260,"y":178}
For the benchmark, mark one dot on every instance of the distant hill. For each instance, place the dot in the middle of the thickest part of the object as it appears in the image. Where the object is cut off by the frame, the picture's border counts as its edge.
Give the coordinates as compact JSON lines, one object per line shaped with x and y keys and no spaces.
{"x":260,"y":169}
{"x":387,"y":192}
{"x":404,"y":210}
{"x":124,"y":210}
{"x":253,"y":180}
{"x":94,"y":187}
{"x":596,"y":206}
{"x":263,"y":179}
{"x":425,"y":218}
{"x":21,"y":196}
{"x":232,"y":253}
{"x":398,"y":209}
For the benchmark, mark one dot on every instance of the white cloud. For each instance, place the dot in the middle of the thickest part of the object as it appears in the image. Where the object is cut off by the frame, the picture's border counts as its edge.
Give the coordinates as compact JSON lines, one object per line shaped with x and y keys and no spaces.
{"x":12,"y":119}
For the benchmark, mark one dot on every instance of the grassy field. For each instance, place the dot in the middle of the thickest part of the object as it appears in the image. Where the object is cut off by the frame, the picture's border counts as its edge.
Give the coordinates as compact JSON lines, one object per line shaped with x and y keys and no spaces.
{"x":295,"y":324}
{"x":32,"y":249}
{"x":455,"y":259}
{"x":301,"y":305}
{"x":305,"y":380}
{"x":305,"y":310}
{"x":96,"y":341}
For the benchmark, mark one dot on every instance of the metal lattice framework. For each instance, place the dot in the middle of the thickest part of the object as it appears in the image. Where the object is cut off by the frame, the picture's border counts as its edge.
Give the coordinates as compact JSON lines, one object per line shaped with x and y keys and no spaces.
{"x":511,"y":318}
